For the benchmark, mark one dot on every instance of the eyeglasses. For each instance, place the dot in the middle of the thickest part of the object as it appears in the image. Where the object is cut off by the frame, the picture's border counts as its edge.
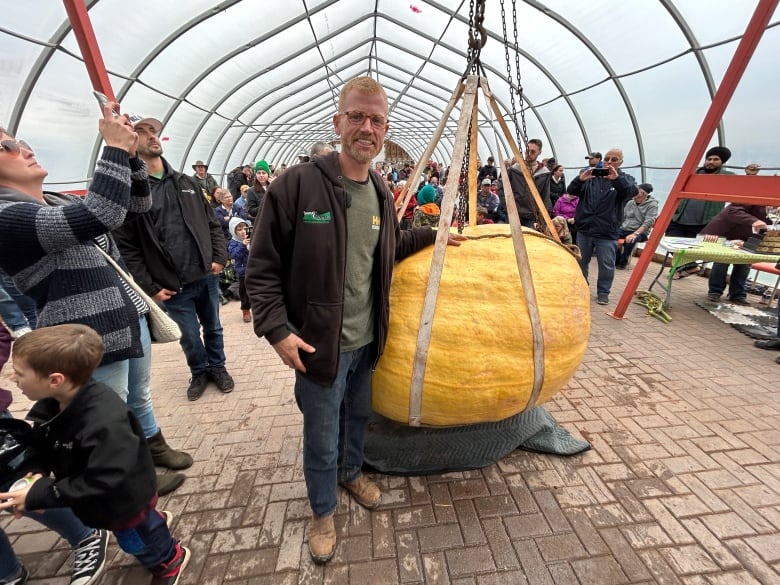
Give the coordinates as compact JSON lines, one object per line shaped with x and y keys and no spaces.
{"x":612,"y":159}
{"x":357,"y":118}
{"x":14,"y":147}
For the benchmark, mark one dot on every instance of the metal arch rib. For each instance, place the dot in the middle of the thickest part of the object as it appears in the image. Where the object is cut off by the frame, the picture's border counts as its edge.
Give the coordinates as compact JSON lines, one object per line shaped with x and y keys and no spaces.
{"x":700,"y":58}
{"x":37,"y":70}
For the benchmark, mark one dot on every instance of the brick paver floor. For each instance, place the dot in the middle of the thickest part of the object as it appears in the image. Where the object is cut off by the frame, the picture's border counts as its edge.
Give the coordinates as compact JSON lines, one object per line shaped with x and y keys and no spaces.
{"x":682,"y":485}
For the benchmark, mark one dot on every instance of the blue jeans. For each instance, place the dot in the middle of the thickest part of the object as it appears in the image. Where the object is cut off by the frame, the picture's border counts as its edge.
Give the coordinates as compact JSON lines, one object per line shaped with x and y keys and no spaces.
{"x":334,"y":427}
{"x":625,"y":254}
{"x":605,"y":250}
{"x":196,"y":305}
{"x":130,"y":379}
{"x":737,"y":282}
{"x":150,"y":541}
{"x":18,"y":310}
{"x":60,"y":520}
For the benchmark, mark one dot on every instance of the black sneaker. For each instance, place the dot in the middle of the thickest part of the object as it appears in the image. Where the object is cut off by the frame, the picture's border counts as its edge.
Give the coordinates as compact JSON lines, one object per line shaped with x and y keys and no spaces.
{"x":90,"y":558}
{"x":170,"y":572}
{"x":222,"y":379}
{"x":198,"y":384}
{"x":19,"y":579}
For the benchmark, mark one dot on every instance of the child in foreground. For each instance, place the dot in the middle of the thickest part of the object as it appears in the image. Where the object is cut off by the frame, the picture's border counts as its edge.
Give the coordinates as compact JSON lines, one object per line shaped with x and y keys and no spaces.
{"x":92,"y":446}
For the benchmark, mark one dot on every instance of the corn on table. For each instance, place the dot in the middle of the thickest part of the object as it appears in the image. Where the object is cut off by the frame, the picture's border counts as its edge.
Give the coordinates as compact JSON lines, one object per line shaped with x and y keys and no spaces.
{"x":685,"y":250}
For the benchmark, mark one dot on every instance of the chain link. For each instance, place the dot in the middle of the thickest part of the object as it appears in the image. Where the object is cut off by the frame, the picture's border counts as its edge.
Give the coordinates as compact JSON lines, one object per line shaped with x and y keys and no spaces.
{"x":477,"y":37}
{"x":522,"y":134}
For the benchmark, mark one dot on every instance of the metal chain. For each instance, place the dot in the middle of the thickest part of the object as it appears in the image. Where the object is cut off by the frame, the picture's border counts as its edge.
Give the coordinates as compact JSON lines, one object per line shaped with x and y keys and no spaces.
{"x":522,"y":136}
{"x":463,"y":186}
{"x":477,"y":38}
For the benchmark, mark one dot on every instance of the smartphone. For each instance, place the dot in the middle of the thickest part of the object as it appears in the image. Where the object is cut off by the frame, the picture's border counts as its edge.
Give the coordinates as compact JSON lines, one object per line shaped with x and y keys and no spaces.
{"x":597,"y":172}
{"x":103,"y":100}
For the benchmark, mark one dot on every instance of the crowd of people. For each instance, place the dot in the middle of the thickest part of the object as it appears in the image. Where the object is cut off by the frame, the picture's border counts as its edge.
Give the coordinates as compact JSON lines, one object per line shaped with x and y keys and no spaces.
{"x":80,"y":333}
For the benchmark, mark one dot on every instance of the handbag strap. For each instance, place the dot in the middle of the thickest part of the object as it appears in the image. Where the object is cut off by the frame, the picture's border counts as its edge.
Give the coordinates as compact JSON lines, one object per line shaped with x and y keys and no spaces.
{"x":129,"y":279}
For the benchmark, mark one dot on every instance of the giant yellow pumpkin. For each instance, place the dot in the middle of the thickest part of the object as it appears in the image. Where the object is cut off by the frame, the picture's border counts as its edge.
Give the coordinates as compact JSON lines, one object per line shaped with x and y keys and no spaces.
{"x":480,"y":358}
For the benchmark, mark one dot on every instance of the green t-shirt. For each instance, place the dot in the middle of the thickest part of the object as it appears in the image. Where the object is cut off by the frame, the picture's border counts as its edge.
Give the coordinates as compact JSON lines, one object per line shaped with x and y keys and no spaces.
{"x":363,"y":222}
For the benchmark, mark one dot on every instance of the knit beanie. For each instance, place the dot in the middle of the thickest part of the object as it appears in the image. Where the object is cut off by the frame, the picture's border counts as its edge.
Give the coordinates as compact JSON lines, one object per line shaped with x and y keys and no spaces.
{"x":261,"y":165}
{"x":646,"y":187}
{"x":721,"y":152}
{"x":426,"y":195}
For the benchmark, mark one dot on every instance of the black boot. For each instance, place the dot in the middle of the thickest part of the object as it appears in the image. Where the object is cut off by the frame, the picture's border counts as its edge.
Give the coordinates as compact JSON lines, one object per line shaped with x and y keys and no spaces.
{"x":164,"y":456}
{"x":768,"y":343}
{"x":168,"y":482}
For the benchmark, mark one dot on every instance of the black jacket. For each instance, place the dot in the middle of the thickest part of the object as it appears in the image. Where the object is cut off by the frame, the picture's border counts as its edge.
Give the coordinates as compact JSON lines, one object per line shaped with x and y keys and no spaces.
{"x":97,"y":452}
{"x":600,"y":210}
{"x":297,"y":261}
{"x":146,"y":259}
{"x":522,"y":193}
{"x":254,"y":202}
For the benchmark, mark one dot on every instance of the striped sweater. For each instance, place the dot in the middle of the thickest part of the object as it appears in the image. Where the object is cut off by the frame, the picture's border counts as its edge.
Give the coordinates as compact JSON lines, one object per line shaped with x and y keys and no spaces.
{"x":49,"y":251}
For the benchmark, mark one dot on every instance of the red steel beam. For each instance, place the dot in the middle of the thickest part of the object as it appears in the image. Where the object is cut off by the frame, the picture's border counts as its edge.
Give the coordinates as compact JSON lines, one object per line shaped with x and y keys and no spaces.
{"x":711,"y":187}
{"x":90,"y":50}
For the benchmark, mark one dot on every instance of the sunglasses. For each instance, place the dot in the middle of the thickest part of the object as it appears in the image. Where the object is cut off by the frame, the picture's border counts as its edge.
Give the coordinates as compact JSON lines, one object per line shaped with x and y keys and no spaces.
{"x":357,"y":118}
{"x":612,"y":159}
{"x":14,"y":147}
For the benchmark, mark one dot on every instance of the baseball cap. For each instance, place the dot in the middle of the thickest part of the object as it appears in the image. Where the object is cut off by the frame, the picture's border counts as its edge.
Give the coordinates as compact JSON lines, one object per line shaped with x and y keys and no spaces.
{"x":153,"y":122}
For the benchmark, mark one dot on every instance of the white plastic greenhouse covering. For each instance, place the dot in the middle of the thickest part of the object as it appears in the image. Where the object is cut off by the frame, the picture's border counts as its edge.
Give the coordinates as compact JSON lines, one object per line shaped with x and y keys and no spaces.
{"x":240,"y":80}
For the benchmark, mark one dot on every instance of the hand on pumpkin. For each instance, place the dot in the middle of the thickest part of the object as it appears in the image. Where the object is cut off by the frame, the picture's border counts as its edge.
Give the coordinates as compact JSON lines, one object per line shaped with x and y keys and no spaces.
{"x":288,"y":348}
{"x":455,"y":239}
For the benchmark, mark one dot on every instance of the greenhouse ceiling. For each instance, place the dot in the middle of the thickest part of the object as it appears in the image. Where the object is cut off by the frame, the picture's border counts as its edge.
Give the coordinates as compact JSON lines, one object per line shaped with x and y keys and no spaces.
{"x":240,"y":80}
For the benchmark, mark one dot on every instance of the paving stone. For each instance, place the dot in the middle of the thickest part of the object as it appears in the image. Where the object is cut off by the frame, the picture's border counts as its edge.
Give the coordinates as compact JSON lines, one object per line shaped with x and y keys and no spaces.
{"x":681,"y":486}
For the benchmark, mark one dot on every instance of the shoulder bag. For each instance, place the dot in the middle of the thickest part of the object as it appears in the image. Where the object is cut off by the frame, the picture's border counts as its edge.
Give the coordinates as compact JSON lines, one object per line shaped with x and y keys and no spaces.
{"x":162,"y":328}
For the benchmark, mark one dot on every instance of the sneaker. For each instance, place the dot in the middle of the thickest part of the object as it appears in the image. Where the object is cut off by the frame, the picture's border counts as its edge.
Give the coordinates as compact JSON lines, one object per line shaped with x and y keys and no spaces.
{"x":17,"y":333}
{"x":168,"y":518}
{"x":198,"y":384}
{"x":365,"y":491}
{"x":19,"y":579}
{"x":740,"y":301}
{"x":90,"y":558}
{"x":169,"y":573}
{"x":222,"y":379}
{"x":602,"y":299}
{"x":246,"y":315}
{"x":322,"y":539}
{"x":621,"y":266}
{"x":713,"y":297}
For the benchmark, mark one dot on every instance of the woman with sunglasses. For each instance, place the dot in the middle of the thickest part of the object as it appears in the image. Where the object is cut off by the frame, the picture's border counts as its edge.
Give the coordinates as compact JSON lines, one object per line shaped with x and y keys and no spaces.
{"x":49,"y":246}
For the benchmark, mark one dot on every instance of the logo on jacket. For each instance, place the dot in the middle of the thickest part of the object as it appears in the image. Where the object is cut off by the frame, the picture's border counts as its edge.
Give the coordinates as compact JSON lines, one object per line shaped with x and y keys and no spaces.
{"x":376,"y":222}
{"x":190,"y":191}
{"x":316,"y":217}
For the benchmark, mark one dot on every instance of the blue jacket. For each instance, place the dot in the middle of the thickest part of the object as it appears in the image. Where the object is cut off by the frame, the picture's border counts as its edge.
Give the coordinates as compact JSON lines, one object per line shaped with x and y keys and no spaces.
{"x":600,"y":210}
{"x":236,"y":248}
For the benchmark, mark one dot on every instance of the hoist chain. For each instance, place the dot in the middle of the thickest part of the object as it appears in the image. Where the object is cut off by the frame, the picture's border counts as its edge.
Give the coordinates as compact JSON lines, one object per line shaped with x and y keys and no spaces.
{"x":462,"y":213}
{"x":477,"y":37}
{"x":520,"y":129}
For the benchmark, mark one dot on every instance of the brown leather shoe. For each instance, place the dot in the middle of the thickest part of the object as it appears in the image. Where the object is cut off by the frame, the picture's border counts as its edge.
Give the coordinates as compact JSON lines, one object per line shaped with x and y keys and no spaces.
{"x":365,"y":492}
{"x":322,"y":539}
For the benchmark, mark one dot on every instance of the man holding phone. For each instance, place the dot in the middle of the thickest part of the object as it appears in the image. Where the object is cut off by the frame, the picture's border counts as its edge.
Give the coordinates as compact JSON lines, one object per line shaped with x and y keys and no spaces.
{"x":599,"y":215}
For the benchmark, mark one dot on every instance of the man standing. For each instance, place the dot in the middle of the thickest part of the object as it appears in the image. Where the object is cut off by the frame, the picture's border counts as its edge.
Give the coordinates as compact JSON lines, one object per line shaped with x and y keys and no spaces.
{"x":318,"y":277}
{"x":638,"y":218}
{"x":594,"y":160}
{"x":526,"y":207}
{"x":599,"y":215}
{"x":205,"y":181}
{"x":175,"y":252}
{"x":692,"y":215}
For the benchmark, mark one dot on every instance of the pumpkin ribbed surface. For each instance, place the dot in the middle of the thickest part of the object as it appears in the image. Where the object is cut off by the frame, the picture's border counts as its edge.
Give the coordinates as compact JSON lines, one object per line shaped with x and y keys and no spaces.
{"x":480,"y":358}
